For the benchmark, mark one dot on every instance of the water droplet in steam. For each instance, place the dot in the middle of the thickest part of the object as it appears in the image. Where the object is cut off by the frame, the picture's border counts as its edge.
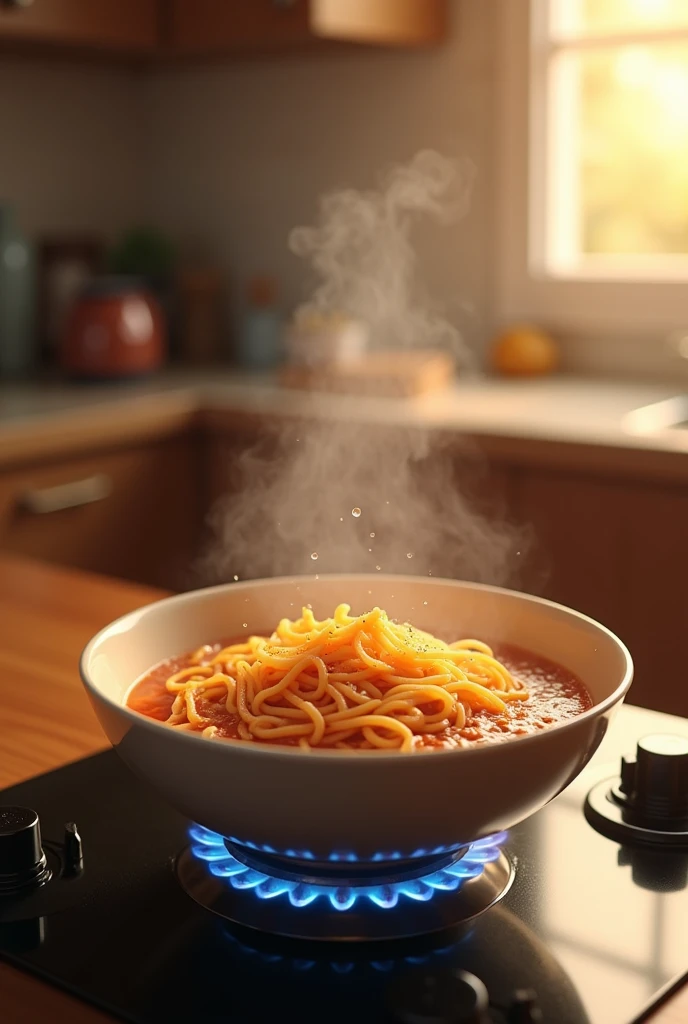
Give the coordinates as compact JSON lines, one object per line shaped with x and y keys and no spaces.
{"x":355,"y":512}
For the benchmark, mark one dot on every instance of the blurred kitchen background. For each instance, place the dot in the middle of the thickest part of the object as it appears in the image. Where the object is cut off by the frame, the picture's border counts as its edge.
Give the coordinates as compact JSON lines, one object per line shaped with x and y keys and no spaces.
{"x":155,"y":158}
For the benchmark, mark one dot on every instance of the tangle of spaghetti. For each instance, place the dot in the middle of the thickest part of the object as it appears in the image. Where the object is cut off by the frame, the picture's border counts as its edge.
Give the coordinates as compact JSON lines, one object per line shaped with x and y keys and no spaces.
{"x":359,"y":682}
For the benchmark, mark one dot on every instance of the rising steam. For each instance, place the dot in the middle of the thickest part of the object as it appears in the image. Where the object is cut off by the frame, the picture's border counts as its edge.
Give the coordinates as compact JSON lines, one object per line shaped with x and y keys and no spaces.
{"x":362,"y":254}
{"x":297,"y":490}
{"x":290,"y":511}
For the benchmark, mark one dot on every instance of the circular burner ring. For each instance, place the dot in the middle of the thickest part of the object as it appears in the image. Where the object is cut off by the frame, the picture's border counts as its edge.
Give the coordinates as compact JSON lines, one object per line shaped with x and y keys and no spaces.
{"x":364,"y":922}
{"x":342,"y":872}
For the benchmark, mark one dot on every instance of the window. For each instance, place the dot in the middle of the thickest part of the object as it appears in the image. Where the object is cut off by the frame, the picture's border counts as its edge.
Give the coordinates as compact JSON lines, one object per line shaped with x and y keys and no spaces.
{"x":593,"y":137}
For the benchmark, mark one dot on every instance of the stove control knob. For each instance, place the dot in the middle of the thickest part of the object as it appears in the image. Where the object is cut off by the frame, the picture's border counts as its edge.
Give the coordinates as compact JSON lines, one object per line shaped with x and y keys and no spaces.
{"x":655,"y":785}
{"x":524,"y":1008}
{"x":22,"y":861}
{"x":454,"y":997}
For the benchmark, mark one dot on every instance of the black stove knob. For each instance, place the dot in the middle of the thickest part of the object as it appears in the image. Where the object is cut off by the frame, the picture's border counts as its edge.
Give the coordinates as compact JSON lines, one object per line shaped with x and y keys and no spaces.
{"x":656,"y":783}
{"x":454,"y":997}
{"x":22,"y":861}
{"x":524,"y":1008}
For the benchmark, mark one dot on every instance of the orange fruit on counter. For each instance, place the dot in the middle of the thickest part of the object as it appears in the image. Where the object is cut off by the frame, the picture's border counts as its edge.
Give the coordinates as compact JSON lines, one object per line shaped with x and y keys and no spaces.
{"x":524,"y":351}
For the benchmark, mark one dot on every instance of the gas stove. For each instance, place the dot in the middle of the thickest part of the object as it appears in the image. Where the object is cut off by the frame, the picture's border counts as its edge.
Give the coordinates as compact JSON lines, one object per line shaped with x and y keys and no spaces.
{"x":577,"y":916}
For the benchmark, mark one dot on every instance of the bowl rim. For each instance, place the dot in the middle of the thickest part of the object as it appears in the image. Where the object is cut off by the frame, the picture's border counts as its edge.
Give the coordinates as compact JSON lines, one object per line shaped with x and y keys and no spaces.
{"x":251,"y":749}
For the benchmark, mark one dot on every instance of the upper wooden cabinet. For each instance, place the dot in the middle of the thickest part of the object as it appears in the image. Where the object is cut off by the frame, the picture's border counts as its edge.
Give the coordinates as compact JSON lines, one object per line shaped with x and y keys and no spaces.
{"x":243,"y":26}
{"x":197,"y":28}
{"x":129,"y":26}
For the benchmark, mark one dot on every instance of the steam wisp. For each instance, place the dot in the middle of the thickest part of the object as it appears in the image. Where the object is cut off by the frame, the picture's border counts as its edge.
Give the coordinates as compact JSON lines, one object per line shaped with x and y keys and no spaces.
{"x":299,"y":489}
{"x":362,"y":254}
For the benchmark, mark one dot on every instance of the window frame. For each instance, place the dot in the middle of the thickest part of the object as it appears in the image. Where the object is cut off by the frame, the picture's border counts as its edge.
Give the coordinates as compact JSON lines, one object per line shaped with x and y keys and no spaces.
{"x":577,"y":304}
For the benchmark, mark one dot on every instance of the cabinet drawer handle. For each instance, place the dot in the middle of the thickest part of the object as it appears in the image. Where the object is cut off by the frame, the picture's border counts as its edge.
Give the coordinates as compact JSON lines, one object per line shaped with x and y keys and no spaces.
{"x":72,"y":495}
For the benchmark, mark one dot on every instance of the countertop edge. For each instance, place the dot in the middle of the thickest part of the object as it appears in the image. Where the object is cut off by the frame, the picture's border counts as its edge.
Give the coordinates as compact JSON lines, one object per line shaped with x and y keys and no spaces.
{"x":135,"y":418}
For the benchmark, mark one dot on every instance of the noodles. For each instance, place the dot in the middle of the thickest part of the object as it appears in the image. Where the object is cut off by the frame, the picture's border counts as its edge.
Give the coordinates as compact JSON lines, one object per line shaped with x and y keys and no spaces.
{"x":360,"y":682}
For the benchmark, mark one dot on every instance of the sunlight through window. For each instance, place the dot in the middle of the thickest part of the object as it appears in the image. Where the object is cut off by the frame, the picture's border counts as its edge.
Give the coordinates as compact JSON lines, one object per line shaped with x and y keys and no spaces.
{"x":615,"y":139}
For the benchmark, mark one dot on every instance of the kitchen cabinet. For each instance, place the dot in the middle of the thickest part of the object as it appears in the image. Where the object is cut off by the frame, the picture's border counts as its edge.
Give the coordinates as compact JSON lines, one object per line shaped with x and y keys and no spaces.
{"x":198,"y":27}
{"x":575,"y":546}
{"x":655,"y":534}
{"x":132,"y":513}
{"x":615,"y":551}
{"x":129,"y":26}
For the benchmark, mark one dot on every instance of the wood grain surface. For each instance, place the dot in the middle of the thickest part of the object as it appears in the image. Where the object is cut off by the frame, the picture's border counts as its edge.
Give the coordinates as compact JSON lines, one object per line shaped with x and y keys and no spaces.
{"x":47,"y":614}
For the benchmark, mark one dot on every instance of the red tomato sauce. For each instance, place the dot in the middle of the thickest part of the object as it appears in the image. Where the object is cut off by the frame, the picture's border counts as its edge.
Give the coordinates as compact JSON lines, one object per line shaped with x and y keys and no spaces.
{"x":555,"y":696}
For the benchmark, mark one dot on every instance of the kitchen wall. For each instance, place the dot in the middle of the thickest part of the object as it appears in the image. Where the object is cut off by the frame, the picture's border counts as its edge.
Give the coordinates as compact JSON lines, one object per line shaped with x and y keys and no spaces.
{"x":229,"y":157}
{"x":240,"y":152}
{"x":71,"y":146}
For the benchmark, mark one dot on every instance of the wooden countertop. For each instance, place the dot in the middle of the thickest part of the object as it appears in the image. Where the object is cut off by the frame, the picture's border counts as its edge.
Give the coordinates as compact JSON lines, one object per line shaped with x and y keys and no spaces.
{"x":48,"y":614}
{"x":576,"y":422}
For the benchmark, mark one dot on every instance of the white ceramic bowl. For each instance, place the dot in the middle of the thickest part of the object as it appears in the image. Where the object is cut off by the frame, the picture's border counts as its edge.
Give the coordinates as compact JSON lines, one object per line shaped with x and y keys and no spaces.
{"x":347,"y":801}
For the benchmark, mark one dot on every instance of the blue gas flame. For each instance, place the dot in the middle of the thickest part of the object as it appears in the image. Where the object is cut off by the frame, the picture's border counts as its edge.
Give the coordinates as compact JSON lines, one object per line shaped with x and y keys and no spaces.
{"x":210,"y":847}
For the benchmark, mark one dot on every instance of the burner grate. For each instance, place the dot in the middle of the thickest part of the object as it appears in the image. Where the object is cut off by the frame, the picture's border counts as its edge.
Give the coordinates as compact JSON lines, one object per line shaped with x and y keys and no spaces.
{"x":275,"y":894}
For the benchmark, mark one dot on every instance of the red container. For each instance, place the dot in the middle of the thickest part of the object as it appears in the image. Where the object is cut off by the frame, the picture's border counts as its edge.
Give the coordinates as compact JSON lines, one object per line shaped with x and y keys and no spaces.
{"x":115,"y":330}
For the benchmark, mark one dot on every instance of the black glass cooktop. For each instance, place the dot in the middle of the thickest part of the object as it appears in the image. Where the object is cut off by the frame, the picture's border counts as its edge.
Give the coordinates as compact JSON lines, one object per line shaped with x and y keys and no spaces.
{"x":589,"y":932}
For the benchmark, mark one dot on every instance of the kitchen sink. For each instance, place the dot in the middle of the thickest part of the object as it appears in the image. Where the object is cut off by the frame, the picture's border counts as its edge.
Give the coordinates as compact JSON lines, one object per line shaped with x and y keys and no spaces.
{"x":671,"y":414}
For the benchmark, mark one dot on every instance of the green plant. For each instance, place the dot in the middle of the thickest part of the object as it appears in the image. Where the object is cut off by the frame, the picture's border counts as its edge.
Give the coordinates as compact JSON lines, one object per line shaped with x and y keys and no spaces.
{"x":143,"y":252}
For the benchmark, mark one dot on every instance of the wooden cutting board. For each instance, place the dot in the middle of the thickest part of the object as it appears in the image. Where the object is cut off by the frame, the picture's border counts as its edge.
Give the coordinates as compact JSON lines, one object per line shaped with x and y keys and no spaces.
{"x":390,"y":374}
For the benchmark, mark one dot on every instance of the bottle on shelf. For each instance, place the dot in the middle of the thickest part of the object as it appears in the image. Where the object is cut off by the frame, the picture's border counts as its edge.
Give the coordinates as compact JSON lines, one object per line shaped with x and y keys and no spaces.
{"x":260,"y":342}
{"x":17,"y":299}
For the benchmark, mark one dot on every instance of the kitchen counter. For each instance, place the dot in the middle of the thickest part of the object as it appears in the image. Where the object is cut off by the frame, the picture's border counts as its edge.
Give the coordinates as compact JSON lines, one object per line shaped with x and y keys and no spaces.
{"x":542,"y":420}
{"x":49,"y":614}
